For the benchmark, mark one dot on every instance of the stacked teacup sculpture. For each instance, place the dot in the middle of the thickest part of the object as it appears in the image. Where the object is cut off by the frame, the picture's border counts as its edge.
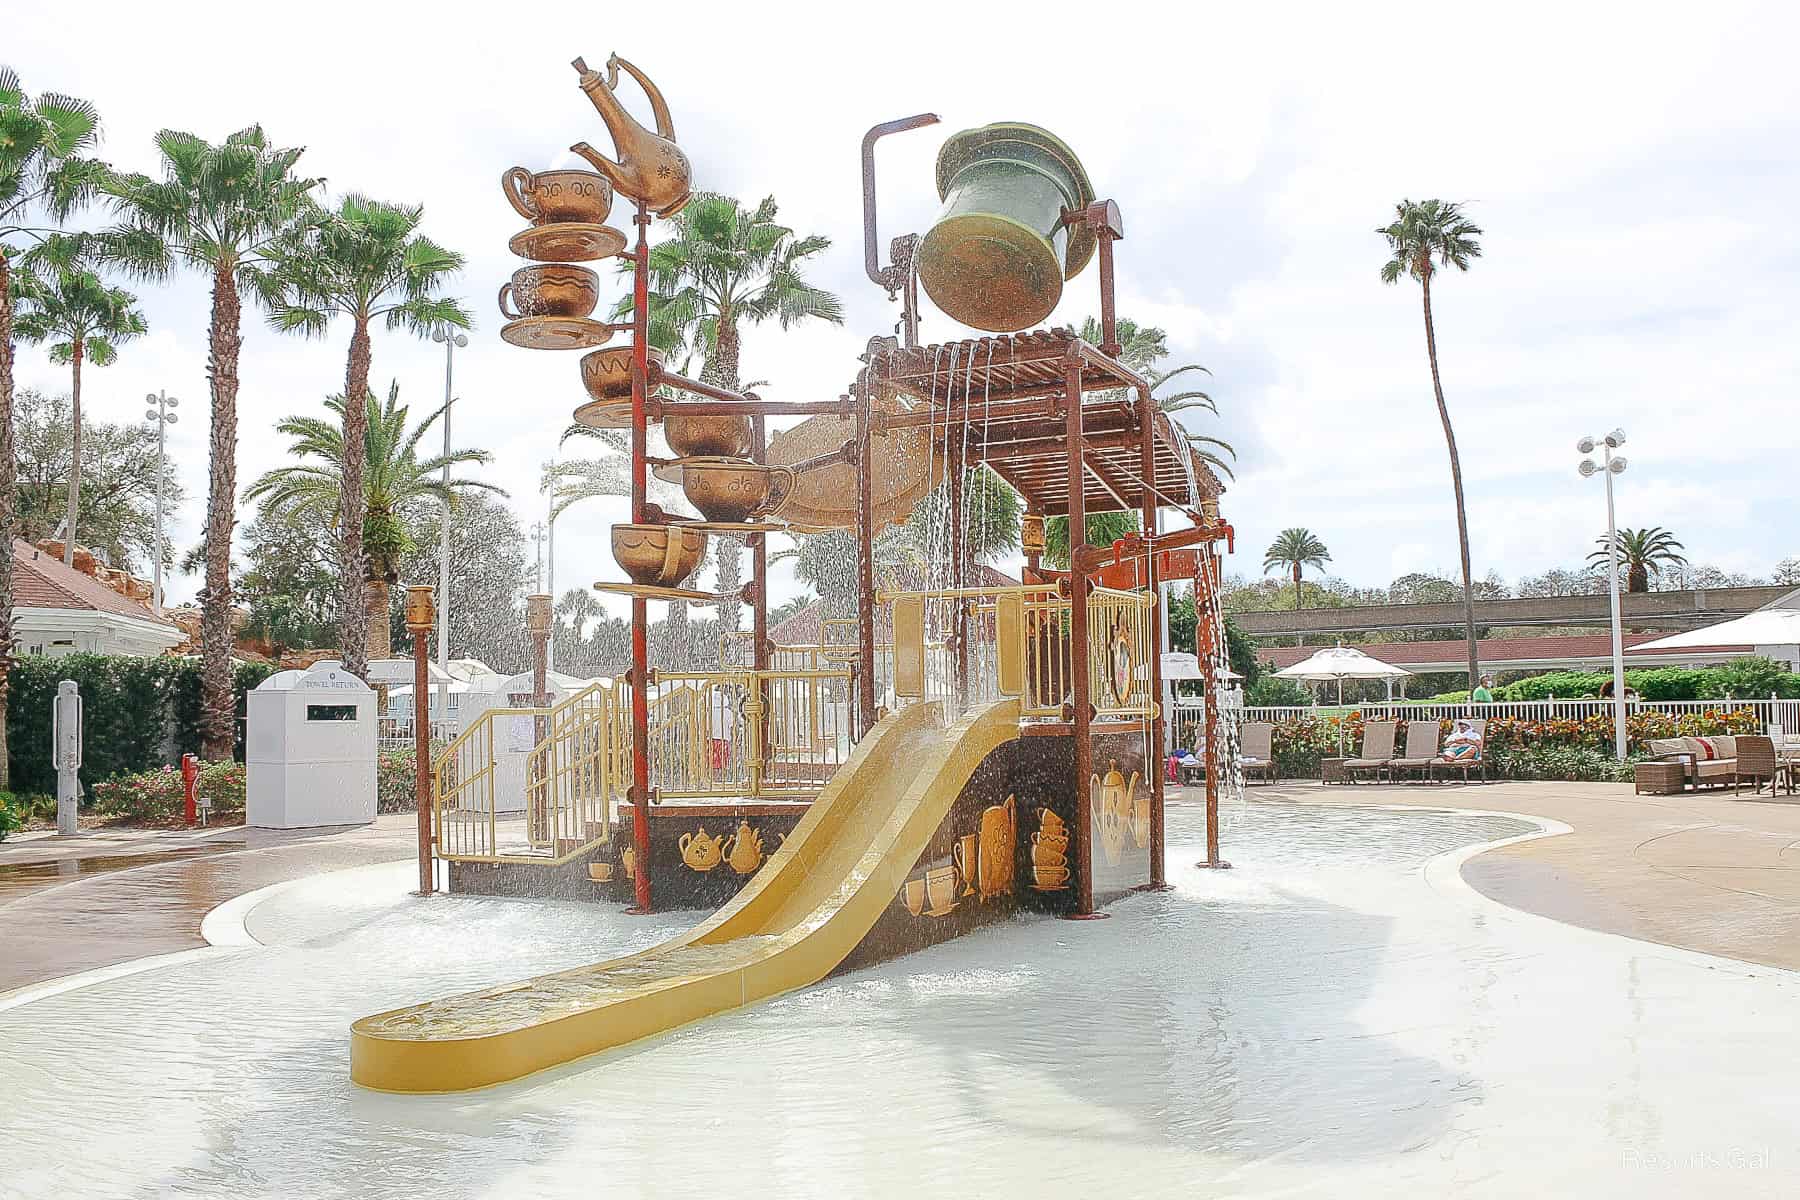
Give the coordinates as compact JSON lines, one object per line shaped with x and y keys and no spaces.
{"x":1049,"y":853}
{"x":549,"y":305}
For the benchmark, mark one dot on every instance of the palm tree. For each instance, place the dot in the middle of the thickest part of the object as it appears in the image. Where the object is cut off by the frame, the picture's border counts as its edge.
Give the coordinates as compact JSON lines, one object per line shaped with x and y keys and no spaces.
{"x":1644,"y":552}
{"x":1293,"y":549}
{"x":69,"y":306}
{"x":364,"y":261}
{"x":221,"y":209}
{"x":1423,"y":237}
{"x":400,"y":491}
{"x":42,"y":167}
{"x":725,"y":265}
{"x":1141,"y":348}
{"x":1103,"y":529}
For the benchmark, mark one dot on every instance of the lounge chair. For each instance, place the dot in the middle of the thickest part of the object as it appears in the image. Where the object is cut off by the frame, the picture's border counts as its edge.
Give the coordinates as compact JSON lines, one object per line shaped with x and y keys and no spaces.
{"x":1476,"y":761}
{"x":1756,"y":761}
{"x":1256,"y":752}
{"x":1423,"y":741}
{"x":1377,"y":749}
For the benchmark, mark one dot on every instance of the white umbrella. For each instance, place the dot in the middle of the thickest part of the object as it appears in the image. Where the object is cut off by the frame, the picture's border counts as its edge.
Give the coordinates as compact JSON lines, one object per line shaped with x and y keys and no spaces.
{"x":1341,"y":662}
{"x":1768,"y":627}
{"x":1179,"y":664}
{"x":400,"y":670}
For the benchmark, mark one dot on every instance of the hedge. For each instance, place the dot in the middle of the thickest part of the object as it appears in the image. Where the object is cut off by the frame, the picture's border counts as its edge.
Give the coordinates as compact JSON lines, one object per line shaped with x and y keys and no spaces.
{"x":130,"y":705}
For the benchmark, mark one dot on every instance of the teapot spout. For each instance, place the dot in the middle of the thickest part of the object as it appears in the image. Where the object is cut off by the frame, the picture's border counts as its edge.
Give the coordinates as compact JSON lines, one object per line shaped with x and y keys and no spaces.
{"x":615,"y":174}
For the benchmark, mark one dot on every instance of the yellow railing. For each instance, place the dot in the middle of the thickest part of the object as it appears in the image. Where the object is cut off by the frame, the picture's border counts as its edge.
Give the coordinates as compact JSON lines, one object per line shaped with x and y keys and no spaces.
{"x":749,"y":733}
{"x":533,"y":785}
{"x":1018,"y":645}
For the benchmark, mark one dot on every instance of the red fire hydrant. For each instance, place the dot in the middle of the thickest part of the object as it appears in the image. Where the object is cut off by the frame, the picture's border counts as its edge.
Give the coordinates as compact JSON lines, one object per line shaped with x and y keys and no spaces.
{"x":190,"y":788}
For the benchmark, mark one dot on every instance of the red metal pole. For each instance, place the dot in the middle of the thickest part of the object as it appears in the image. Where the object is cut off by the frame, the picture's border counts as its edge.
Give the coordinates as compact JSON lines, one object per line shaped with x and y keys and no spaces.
{"x":1079,"y":684}
{"x":190,"y":788}
{"x":1206,"y":583}
{"x":1154,"y":759}
{"x":959,"y":625}
{"x":422,"y":754}
{"x":640,"y":621}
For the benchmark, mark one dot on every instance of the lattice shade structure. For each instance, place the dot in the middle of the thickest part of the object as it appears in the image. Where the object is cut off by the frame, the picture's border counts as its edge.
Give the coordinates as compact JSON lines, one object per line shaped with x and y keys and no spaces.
{"x":1001,"y":398}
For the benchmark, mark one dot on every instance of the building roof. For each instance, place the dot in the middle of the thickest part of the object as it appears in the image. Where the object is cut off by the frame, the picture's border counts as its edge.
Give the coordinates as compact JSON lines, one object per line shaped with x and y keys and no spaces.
{"x":41,"y":580}
{"x":1513,"y":653}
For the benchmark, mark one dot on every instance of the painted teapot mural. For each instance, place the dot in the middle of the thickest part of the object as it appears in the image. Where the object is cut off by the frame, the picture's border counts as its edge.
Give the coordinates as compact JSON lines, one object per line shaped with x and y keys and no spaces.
{"x":1116,"y":813}
{"x":744,"y":849}
{"x":701,"y":852}
{"x":651,"y":167}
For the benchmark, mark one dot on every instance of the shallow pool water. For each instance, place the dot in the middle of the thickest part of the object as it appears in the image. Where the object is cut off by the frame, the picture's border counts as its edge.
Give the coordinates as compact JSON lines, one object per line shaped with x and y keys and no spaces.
{"x":1328,"y":1018}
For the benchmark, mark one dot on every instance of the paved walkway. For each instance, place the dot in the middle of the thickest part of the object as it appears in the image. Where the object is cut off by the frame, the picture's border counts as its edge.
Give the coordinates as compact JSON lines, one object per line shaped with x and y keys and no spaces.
{"x":1706,"y":872}
{"x":74,"y":904}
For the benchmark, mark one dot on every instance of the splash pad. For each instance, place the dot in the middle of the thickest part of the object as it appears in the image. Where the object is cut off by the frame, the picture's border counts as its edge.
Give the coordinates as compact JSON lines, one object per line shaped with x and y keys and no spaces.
{"x":972,"y":750}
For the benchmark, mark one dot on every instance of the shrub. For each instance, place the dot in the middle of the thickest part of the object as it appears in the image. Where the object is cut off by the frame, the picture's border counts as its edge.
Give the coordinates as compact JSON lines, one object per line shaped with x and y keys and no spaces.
{"x":1270,"y":692}
{"x":395,"y":789}
{"x":10,"y":816}
{"x":1545,"y":760}
{"x":156,"y":797}
{"x":1747,"y":678}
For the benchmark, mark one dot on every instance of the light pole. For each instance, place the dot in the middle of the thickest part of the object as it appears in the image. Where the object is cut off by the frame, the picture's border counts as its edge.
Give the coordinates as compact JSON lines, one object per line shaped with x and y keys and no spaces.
{"x":550,"y":537}
{"x":452,"y":343}
{"x":160,"y":417}
{"x":1608,"y":466}
{"x":537,"y":538}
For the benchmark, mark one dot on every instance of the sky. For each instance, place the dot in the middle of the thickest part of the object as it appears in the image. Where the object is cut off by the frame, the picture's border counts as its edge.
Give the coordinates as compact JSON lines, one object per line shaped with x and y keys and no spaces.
{"x":1632,"y":167}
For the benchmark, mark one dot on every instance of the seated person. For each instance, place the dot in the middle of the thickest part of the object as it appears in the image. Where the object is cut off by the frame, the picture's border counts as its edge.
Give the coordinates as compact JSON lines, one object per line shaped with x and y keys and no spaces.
{"x":1463,"y":744}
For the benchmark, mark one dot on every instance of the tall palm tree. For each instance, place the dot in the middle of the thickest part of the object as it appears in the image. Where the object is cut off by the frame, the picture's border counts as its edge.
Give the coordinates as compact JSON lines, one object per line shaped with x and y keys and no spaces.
{"x":1103,"y":529}
{"x":43,"y":169}
{"x":1423,"y":237}
{"x":220,"y":209}
{"x":1645,"y":552}
{"x":69,"y":306}
{"x":1292,"y":550}
{"x":401,"y":491}
{"x":723,"y":266}
{"x":364,"y":261}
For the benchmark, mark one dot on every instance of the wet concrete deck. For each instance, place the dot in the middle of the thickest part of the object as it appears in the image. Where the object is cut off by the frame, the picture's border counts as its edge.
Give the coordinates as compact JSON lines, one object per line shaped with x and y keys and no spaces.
{"x":1706,"y":871}
{"x":75,"y":904}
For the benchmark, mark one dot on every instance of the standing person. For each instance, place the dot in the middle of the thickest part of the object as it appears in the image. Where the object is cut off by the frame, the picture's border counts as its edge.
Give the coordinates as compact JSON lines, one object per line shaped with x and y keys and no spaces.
{"x":1483,"y":693}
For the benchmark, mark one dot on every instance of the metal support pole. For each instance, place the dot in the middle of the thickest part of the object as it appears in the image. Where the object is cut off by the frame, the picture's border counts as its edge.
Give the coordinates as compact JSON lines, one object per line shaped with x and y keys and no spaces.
{"x":640,"y":621}
{"x":65,"y":745}
{"x":420,"y":616}
{"x":865,"y":552}
{"x":1618,"y":636}
{"x":1079,"y":684}
{"x":759,"y":609}
{"x":1153,"y":747}
{"x":163,"y":419}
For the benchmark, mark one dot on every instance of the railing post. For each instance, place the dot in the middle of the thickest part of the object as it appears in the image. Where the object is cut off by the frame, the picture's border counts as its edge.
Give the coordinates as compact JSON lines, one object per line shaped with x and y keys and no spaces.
{"x":420,"y":617}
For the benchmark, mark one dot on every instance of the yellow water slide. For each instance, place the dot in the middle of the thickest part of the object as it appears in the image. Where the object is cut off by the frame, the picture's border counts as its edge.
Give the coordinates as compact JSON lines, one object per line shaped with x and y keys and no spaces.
{"x":802,"y":914}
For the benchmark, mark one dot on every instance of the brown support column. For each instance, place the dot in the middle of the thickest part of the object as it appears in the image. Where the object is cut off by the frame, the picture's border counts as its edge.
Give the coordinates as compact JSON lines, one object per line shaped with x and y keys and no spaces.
{"x":640,"y":619}
{"x":759,"y":607}
{"x":865,"y":555}
{"x":1079,"y":684}
{"x":538,"y":618}
{"x":420,"y":617}
{"x":1153,"y":758}
{"x":1034,"y":562}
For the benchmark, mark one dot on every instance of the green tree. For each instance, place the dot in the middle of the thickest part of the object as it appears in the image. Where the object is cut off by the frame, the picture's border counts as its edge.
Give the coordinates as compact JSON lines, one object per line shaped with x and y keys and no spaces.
{"x":1141,"y":347}
{"x":724,"y":266}
{"x":118,"y":494}
{"x":220,"y":209}
{"x":1103,"y":529}
{"x":1292,"y":550}
{"x":44,"y":172}
{"x":365,"y":260}
{"x":1424,"y":237}
{"x":70,"y":307}
{"x":401,"y":491}
{"x":1644,"y":553}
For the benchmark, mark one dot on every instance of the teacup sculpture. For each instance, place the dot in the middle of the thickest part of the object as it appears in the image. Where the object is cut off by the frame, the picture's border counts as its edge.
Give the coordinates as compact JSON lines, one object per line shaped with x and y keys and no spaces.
{"x":731,"y":490}
{"x":724,"y":436}
{"x":549,"y":197}
{"x":549,"y":290}
{"x":657,"y":555}
{"x":607,"y":373}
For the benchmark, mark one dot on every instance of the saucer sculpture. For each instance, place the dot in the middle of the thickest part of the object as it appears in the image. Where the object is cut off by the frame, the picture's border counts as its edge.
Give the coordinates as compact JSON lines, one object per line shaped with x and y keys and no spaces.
{"x":555,"y":333}
{"x":567,"y":242}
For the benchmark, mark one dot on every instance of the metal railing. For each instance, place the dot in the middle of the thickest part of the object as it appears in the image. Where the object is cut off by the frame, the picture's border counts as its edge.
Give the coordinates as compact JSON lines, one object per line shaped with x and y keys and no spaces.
{"x":396,"y":733}
{"x":755,"y":734}
{"x":533,"y":785}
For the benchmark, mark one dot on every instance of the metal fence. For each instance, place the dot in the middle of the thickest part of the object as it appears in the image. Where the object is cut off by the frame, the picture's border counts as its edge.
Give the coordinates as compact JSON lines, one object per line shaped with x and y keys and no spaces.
{"x":396,"y":733}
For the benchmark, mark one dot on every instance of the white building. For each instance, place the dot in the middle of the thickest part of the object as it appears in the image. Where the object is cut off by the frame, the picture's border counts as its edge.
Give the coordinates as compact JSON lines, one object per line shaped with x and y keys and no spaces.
{"x":58,"y":611}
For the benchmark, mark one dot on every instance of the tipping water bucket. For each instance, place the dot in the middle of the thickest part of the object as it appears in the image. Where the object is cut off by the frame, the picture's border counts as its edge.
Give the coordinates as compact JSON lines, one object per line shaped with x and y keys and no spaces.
{"x":998,"y":254}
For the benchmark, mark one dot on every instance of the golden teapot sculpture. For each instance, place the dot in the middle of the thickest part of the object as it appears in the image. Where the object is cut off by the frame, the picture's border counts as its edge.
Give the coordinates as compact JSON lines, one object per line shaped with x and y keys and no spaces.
{"x":744,"y":849}
{"x":701,"y":852}
{"x":651,"y":167}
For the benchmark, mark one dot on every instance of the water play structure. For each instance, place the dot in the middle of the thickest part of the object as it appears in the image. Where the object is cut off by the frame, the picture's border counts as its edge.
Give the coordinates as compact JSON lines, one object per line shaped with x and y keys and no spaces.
{"x":955,"y":752}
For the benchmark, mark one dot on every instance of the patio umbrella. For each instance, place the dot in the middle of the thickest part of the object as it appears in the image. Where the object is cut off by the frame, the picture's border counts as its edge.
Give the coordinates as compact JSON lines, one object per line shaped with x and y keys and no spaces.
{"x":1773,"y":631}
{"x":1341,"y":662}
